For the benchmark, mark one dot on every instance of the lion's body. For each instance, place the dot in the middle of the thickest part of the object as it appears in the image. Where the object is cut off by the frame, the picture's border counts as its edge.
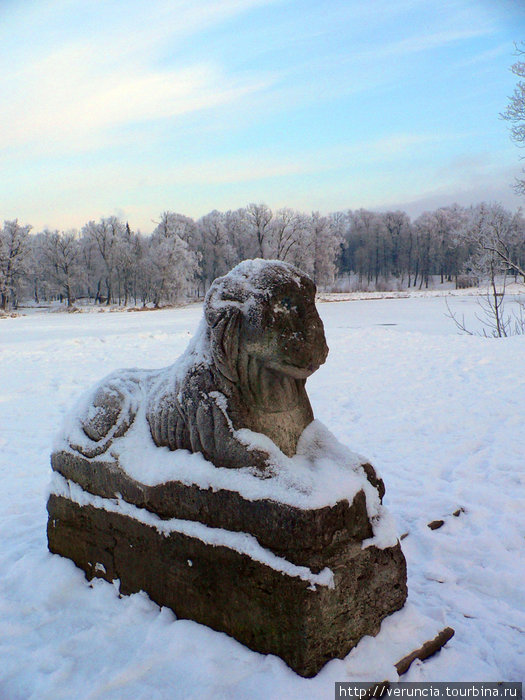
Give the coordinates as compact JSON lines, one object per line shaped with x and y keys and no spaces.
{"x":245,"y":370}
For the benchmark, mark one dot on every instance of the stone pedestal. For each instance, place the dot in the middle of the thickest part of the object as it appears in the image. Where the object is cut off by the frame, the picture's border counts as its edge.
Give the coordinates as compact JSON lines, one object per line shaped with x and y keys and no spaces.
{"x":298,"y":583}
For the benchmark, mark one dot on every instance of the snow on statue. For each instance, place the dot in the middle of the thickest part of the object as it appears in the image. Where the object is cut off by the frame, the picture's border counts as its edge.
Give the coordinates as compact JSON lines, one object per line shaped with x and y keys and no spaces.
{"x":245,"y":370}
{"x":218,"y":460}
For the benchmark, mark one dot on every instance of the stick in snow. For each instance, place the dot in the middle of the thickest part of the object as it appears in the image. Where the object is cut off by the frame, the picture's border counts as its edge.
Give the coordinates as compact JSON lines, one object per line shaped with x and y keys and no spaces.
{"x":428,"y":649}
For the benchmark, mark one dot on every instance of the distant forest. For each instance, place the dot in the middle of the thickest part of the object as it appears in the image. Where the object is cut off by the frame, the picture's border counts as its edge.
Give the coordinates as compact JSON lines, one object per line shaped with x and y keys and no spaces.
{"x":107,"y":262}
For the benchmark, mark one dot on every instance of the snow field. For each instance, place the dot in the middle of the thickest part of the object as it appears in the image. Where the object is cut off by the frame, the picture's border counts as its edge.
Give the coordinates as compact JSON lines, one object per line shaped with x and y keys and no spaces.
{"x":439,"y":415}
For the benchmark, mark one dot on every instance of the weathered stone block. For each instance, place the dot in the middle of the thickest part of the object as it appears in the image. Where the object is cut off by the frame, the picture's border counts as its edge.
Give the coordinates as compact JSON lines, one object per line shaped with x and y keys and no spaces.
{"x":270,"y":611}
{"x":304,"y":537}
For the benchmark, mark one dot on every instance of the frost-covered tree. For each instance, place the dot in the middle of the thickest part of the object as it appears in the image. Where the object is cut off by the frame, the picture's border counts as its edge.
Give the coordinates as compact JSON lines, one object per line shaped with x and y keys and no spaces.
{"x":497,"y":236}
{"x":240,"y":236}
{"x":112,"y":263}
{"x":60,"y":255}
{"x":324,"y":248}
{"x":397,"y":229}
{"x":215,"y":247}
{"x":104,"y":237}
{"x":127,"y":260}
{"x":37,"y":285}
{"x":290,"y":230}
{"x":173,"y":224}
{"x":492,"y":231}
{"x":434,"y":235}
{"x":425,"y":229}
{"x":142,"y":287}
{"x":364,"y":236}
{"x":436,"y":243}
{"x":171,"y":262}
{"x":515,"y":112}
{"x":92,"y":266}
{"x":14,"y":260}
{"x":258,"y":219}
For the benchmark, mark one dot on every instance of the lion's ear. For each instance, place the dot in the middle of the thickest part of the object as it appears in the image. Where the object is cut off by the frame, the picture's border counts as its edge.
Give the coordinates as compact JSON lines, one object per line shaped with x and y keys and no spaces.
{"x":224,"y":337}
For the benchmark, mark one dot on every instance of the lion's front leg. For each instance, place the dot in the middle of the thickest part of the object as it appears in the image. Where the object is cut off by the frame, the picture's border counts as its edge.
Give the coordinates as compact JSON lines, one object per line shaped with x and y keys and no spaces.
{"x":213,"y":434}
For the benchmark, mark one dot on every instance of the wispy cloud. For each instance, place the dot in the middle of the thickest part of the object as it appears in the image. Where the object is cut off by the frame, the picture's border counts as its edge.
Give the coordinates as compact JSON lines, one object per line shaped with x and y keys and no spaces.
{"x":428,"y":42}
{"x":485,"y":56}
{"x":67,"y":98}
{"x":68,"y":106}
{"x":419,"y":43}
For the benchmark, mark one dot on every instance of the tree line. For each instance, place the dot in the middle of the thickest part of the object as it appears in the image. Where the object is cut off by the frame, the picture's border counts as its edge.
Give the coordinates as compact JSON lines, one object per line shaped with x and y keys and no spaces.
{"x":109,"y":263}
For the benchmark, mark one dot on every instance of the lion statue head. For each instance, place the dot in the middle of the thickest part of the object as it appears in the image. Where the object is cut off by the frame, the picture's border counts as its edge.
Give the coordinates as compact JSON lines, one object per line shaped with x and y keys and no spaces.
{"x":263,"y":313}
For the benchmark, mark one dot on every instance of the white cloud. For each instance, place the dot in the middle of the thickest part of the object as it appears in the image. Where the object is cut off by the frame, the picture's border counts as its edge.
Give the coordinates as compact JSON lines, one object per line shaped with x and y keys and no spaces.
{"x":435,"y":40}
{"x":67,"y":98}
{"x":422,"y":42}
{"x":66,"y":106}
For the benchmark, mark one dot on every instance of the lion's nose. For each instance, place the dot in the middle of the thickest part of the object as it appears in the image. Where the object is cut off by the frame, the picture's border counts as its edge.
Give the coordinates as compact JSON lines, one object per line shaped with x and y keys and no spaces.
{"x":317,"y":342}
{"x":323,"y":353}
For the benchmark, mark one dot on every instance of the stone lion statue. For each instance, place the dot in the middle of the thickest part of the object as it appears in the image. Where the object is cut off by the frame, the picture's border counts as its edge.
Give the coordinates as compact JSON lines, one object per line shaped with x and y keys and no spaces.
{"x":244,"y":372}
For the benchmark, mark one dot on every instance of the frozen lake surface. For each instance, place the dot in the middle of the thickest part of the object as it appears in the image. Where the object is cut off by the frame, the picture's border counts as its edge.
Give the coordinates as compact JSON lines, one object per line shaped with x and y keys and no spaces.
{"x":440,"y":415}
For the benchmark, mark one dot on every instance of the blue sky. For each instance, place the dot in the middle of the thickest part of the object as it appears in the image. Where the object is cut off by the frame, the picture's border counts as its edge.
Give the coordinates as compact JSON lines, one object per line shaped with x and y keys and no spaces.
{"x":132,"y":108}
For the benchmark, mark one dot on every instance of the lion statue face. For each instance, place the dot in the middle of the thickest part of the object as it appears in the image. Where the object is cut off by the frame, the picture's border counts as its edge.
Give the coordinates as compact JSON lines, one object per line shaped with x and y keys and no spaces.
{"x":264,"y":311}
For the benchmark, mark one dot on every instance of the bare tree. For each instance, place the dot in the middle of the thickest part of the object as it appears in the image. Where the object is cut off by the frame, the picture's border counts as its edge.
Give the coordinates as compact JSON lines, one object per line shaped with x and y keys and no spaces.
{"x":105,"y":236}
{"x":397,"y":227}
{"x":259,"y":219}
{"x":173,"y":224}
{"x":490,"y":229}
{"x":61,"y":258}
{"x":127,"y":254}
{"x":214,"y":246}
{"x":172,"y":264}
{"x":289,"y":230}
{"x":515,"y":112}
{"x":114,"y":263}
{"x":37,"y":282}
{"x":497,"y":234}
{"x":240,"y":236}
{"x":14,"y":258}
{"x":324,"y":247}
{"x":364,"y":231}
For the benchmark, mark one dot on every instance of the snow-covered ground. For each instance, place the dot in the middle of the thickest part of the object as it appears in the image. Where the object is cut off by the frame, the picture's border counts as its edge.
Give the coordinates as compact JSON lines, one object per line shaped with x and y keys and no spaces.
{"x":440,"y":415}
